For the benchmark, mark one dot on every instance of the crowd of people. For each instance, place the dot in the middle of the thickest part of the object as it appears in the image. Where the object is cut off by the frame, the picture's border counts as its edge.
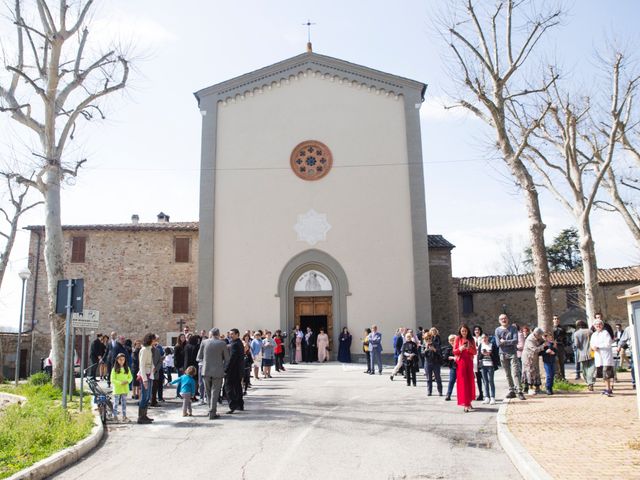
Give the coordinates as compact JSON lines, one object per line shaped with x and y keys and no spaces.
{"x":472,"y":357}
{"x":211,"y":368}
{"x":214,"y":367}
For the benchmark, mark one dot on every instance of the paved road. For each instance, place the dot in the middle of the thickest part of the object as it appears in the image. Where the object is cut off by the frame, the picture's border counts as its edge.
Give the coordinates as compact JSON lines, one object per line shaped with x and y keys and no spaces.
{"x":313,"y":422}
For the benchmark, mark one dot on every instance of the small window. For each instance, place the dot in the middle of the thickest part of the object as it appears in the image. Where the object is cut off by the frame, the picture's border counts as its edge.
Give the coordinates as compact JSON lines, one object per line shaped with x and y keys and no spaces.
{"x":78,"y":248}
{"x":182,"y":249}
{"x":467,"y":303}
{"x":180,"y":299}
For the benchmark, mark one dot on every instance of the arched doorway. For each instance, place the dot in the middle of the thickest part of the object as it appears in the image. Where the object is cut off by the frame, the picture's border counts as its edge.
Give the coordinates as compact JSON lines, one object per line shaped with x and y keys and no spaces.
{"x":313,"y":289}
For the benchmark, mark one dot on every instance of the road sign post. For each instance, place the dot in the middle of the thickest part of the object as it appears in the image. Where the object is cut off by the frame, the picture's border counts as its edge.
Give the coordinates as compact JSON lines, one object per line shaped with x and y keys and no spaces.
{"x":83,"y":320}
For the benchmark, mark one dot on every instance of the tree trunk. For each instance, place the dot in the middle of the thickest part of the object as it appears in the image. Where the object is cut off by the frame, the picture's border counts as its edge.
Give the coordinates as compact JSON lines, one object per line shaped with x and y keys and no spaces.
{"x":589,"y":268}
{"x":53,"y":251}
{"x":538,"y":253}
{"x":541,"y":277}
{"x":4,"y":257}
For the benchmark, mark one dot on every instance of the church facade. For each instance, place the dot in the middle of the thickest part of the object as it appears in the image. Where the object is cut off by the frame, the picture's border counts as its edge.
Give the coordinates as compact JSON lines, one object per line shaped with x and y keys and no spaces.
{"x":311,"y":168}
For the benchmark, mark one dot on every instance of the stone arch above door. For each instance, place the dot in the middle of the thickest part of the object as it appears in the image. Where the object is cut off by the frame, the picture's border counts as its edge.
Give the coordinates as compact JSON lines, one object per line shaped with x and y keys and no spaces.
{"x":320,"y":261}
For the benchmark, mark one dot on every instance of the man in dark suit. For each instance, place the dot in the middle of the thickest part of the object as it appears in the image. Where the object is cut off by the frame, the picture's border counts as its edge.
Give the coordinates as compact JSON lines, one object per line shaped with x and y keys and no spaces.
{"x":96,"y":353}
{"x":309,"y":346}
{"x":214,"y":355}
{"x":111,"y":355}
{"x":233,"y":372}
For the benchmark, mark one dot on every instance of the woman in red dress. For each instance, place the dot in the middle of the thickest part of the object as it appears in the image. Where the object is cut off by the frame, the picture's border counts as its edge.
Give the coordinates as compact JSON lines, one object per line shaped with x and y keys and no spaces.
{"x":464,"y":349}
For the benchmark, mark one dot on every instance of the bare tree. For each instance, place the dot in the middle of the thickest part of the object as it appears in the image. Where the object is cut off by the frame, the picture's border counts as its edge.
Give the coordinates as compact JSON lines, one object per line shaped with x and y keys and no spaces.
{"x":55,"y":82}
{"x":512,"y":259}
{"x":622,"y":181}
{"x":10,"y":216}
{"x":576,"y":149}
{"x":491,"y":50}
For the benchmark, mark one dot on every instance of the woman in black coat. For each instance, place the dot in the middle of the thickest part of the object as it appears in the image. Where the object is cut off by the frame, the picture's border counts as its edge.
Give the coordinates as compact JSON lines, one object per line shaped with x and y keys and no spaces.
{"x":410,"y":354}
{"x":191,"y":354}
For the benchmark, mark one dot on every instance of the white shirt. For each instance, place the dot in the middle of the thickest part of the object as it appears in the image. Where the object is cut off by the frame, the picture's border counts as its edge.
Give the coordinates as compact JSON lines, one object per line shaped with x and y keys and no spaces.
{"x":604,"y":355}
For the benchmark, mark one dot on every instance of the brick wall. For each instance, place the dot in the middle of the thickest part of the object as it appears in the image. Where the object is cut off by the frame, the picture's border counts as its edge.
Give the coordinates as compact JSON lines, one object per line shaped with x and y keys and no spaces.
{"x":444,"y":304}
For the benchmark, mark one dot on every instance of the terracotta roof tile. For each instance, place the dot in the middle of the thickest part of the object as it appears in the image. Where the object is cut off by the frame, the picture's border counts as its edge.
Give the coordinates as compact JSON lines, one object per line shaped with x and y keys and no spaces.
{"x":132,"y":227}
{"x":572,"y":278}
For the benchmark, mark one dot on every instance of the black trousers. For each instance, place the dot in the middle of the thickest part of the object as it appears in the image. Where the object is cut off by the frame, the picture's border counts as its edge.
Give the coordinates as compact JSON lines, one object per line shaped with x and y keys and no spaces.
{"x":234,"y":393}
{"x":279,"y":361}
{"x":410,"y":373}
{"x":368,"y":355}
{"x":479,"y":382}
{"x":94,"y":368}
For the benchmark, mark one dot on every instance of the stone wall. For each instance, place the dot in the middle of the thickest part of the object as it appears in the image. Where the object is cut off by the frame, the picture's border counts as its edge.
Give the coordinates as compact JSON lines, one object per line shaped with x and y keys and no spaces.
{"x":128,"y":277}
{"x":8,"y":347}
{"x":444,"y":303}
{"x":520,"y":305}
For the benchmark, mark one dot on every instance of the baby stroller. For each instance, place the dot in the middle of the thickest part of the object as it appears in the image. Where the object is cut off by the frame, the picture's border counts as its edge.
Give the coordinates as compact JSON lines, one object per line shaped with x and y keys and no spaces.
{"x":101,"y":398}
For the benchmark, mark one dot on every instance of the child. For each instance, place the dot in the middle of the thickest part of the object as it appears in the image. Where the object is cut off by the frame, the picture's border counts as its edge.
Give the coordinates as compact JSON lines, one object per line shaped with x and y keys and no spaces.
{"x":549,"y":360}
{"x":450,"y":361}
{"x":120,"y":379}
{"x":187,"y":389}
{"x":488,"y":363}
{"x":168,"y":363}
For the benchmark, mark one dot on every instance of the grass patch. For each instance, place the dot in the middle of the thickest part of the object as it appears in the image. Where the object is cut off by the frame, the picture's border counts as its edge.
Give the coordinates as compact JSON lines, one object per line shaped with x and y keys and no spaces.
{"x":621,"y":370}
{"x":565,"y":386}
{"x":40,"y":427}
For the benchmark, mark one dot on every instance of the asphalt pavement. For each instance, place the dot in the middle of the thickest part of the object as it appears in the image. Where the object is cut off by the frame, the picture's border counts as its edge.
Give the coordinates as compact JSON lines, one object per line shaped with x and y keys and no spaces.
{"x":313,"y":421}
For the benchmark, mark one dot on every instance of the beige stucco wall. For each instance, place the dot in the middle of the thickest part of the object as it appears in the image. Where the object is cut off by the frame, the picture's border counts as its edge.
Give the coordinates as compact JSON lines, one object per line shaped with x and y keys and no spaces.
{"x":258,"y":199}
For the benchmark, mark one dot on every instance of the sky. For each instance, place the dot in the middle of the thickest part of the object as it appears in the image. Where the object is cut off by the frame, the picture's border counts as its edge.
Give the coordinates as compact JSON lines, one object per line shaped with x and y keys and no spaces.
{"x":144,"y":158}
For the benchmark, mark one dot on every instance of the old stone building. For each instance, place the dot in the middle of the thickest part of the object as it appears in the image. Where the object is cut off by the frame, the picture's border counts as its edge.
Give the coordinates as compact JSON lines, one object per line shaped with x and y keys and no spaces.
{"x":139,"y":276}
{"x":482,"y":299}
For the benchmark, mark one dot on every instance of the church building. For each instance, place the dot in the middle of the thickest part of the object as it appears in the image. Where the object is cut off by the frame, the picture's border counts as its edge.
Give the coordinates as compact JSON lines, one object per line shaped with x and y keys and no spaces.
{"x":312,"y":203}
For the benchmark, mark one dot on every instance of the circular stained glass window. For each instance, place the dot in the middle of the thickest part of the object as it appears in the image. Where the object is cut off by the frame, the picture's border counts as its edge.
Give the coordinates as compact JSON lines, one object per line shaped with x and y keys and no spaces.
{"x":311,"y":160}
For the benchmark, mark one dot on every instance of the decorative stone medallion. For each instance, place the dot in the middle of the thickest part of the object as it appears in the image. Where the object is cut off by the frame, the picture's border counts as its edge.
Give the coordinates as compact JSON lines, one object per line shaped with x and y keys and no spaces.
{"x":311,"y":160}
{"x":312,"y":227}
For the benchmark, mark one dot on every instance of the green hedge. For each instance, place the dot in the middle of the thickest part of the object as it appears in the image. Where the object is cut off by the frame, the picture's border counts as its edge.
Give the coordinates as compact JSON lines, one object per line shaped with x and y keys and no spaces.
{"x":40,"y":427}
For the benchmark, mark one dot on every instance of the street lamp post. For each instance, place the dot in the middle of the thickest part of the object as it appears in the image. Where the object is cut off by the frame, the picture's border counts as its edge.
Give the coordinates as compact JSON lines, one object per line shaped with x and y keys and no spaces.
{"x":24,"y":274}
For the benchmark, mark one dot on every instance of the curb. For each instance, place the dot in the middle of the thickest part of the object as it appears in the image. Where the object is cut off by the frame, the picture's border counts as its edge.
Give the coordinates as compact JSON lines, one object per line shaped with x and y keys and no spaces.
{"x":59,"y":460}
{"x":528,"y":467}
{"x":11,"y":398}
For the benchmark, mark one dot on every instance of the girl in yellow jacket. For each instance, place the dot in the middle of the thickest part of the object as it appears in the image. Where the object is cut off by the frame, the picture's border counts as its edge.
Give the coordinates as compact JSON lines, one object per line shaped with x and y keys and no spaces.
{"x":120,"y":379}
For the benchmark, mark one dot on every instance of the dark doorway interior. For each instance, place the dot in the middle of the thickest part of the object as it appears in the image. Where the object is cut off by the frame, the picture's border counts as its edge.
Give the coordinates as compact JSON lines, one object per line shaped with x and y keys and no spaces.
{"x":316,"y":322}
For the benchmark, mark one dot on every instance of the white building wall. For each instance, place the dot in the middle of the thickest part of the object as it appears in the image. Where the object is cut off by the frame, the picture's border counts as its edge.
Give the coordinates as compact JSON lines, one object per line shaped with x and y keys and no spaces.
{"x":365,"y":198}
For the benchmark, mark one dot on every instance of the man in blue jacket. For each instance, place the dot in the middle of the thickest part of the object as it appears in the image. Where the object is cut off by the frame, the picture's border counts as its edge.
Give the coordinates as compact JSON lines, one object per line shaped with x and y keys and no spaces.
{"x":507,"y":337}
{"x":375,"y":347}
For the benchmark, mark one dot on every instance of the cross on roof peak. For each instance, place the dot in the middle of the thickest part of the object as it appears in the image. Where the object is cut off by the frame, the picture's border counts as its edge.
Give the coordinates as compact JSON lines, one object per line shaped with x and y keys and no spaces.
{"x":309,"y":24}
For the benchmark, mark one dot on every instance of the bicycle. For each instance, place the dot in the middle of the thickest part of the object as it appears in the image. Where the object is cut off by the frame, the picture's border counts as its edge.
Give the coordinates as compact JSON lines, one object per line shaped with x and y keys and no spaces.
{"x":101,"y":398}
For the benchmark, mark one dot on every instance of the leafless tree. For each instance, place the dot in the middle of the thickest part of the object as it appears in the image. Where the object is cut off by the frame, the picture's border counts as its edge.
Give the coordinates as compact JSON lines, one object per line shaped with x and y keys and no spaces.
{"x":10,"y":216}
{"x":574,"y":151}
{"x":56,"y":81}
{"x":512,"y":259}
{"x":492,"y":50}
{"x":622,"y":180}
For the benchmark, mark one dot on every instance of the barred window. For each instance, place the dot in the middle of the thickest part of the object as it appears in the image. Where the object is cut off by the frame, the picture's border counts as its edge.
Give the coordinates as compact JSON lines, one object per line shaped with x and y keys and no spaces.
{"x":573,"y":298}
{"x":467,"y":303}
